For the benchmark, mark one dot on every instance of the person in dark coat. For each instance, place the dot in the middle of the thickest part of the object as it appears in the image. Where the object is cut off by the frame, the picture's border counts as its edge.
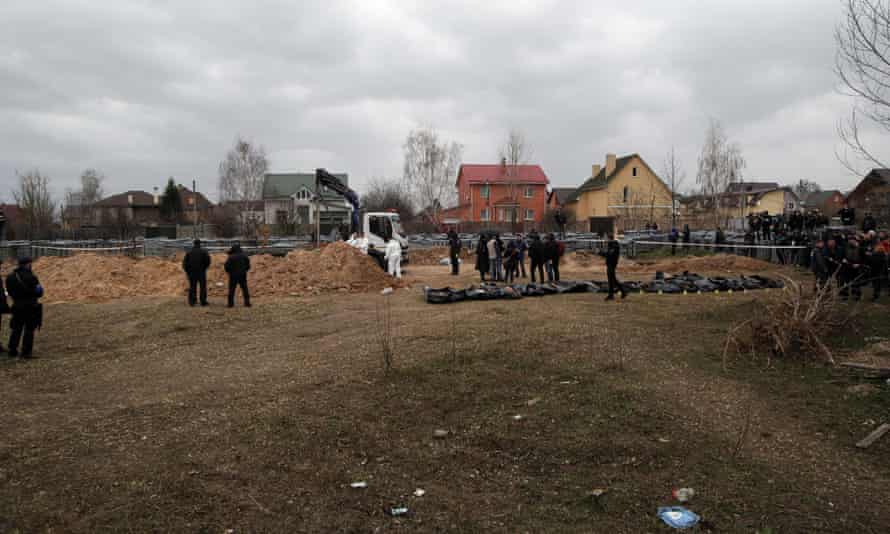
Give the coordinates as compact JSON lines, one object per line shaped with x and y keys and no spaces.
{"x":25,"y":290}
{"x":687,"y":234}
{"x":4,"y":305}
{"x":819,"y":264}
{"x":551,"y":258}
{"x":454,"y":251}
{"x":195,"y":264}
{"x":852,"y":269}
{"x":511,"y":258}
{"x":536,"y":255}
{"x":237,"y":265}
{"x":869,"y":224}
{"x":522,"y":248}
{"x":612,"y":254}
{"x":847,"y":215}
{"x":482,"y":264}
{"x":877,"y":263}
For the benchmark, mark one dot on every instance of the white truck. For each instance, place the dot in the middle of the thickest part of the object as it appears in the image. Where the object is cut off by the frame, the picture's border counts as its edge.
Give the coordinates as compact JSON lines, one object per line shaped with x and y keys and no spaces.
{"x":377,"y":226}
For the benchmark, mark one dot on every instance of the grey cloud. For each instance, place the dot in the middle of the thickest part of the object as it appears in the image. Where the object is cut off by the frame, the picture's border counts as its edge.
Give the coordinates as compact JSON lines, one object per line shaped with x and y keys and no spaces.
{"x":147,"y":89}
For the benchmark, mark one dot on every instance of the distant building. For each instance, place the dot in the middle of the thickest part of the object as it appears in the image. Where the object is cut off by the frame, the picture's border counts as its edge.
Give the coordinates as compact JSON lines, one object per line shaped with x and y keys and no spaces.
{"x":625,"y":190}
{"x":499,"y":194}
{"x":742,"y":199}
{"x":872,"y":195}
{"x":288,"y":202}
{"x":138,"y":209}
{"x":558,"y":196}
{"x":827,"y":202}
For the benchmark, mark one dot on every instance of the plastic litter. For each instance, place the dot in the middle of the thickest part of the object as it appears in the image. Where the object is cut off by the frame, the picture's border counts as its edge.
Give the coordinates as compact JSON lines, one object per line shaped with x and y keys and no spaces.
{"x":517,"y":417}
{"x":684,"y":494}
{"x":359,"y":484}
{"x":440,"y":434}
{"x":396,"y":511}
{"x":677,"y":516}
{"x":387,"y":291}
{"x":419,"y":492}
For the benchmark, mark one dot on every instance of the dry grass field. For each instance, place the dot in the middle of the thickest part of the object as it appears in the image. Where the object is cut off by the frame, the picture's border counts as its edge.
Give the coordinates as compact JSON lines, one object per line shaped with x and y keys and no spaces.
{"x":145,"y":415}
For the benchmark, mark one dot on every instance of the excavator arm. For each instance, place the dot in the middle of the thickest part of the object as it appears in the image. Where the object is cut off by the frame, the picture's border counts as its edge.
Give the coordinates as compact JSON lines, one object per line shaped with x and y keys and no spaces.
{"x":324,"y":178}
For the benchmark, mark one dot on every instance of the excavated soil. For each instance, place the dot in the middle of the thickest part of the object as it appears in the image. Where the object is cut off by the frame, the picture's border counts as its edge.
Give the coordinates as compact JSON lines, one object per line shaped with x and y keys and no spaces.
{"x":89,"y":277}
{"x":583,"y":259}
{"x":433,"y":255}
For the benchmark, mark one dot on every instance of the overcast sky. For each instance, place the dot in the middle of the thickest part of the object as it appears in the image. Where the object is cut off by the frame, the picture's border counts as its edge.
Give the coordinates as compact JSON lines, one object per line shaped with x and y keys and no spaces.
{"x":143,"y":90}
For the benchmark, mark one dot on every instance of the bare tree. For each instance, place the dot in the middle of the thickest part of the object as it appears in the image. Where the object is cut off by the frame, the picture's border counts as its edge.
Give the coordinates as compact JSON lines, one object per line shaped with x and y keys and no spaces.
{"x":35,"y":202}
{"x":91,"y":192}
{"x":804,"y":187}
{"x":385,"y":194}
{"x":515,"y":152}
{"x":719,"y":165}
{"x":241,"y":177}
{"x":675,"y":176}
{"x":862,"y":64}
{"x":430,"y":170}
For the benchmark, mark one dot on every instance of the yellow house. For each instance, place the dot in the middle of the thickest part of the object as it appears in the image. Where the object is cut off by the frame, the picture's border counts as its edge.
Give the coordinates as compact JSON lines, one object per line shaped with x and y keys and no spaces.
{"x":626,"y":190}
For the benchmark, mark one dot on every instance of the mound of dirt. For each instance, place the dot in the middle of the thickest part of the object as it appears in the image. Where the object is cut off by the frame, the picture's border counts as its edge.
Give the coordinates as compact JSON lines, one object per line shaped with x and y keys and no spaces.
{"x":433,"y":255}
{"x":718,"y":262}
{"x":89,"y":277}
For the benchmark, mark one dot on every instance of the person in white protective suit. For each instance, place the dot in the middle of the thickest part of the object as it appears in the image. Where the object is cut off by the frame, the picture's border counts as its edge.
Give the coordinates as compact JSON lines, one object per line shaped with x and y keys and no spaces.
{"x":361,"y":243}
{"x":393,"y":257}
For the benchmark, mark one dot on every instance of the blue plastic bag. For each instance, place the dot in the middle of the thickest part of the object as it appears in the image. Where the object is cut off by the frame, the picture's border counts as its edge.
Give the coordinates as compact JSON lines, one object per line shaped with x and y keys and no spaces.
{"x":677,"y":516}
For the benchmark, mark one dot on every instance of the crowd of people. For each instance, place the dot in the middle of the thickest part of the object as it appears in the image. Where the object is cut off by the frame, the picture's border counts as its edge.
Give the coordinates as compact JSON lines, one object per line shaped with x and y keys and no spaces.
{"x":852,"y":260}
{"x":504,"y":262}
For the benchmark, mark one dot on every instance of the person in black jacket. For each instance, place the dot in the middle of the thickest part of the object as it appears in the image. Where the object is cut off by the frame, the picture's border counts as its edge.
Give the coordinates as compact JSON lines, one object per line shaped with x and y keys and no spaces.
{"x":537,"y":256}
{"x":195,"y":264}
{"x":551,"y":258}
{"x":454,"y":251}
{"x":4,"y":305}
{"x":819,"y":264}
{"x":482,"y":264}
{"x":237,"y":265}
{"x":25,"y":290}
{"x":869,"y":223}
{"x":612,"y":255}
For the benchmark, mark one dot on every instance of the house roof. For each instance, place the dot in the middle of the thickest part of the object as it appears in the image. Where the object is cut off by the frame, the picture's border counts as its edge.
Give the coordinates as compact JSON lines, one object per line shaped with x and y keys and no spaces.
{"x":497,"y":173}
{"x":287,"y":184}
{"x":751,"y":187}
{"x":601,"y":180}
{"x":10,"y":211}
{"x":247,"y":205}
{"x":820,"y":197}
{"x":122,"y":200}
{"x":562,"y":194}
{"x":185,"y":193}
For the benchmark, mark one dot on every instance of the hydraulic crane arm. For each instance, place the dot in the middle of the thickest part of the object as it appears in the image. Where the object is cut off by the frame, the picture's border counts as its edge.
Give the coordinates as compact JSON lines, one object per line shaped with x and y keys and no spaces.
{"x":323,"y":177}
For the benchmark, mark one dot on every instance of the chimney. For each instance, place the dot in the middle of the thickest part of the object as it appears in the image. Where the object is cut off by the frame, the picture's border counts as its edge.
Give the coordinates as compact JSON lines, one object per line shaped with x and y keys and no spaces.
{"x":595,"y":170}
{"x":610,"y":164}
{"x":157,"y":198}
{"x":130,"y":200}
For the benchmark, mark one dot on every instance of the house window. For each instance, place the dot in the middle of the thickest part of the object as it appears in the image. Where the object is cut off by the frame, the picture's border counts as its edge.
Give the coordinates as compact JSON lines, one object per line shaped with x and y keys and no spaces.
{"x":529,"y":191}
{"x":626,"y":193}
{"x":635,"y":172}
{"x":529,"y":215}
{"x":483,"y":215}
{"x":791,"y":205}
{"x":485,"y":191}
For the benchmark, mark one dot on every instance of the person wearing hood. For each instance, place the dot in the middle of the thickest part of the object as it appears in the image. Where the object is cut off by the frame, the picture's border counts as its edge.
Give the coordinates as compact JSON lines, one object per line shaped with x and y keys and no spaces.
{"x":482,"y":256}
{"x":27,"y":316}
{"x":454,"y":246}
{"x":195,"y":264}
{"x":536,"y":254}
{"x":237,"y":265}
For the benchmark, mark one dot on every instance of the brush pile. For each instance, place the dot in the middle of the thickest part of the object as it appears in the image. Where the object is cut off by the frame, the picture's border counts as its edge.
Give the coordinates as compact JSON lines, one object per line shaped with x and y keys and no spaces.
{"x":793,"y":326}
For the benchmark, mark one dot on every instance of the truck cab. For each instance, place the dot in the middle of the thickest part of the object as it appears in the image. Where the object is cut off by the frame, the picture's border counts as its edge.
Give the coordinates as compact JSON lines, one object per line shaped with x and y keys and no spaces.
{"x":377,"y":225}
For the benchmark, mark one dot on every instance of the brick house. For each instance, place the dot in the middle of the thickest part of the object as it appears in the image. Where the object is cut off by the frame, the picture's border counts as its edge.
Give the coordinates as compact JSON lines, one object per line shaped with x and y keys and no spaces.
{"x":827,"y":202}
{"x":499,"y":195}
{"x":872,"y":195}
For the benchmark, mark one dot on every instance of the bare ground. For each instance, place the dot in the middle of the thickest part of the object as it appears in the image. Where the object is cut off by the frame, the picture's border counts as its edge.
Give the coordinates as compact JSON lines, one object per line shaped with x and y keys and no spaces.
{"x":146,"y":415}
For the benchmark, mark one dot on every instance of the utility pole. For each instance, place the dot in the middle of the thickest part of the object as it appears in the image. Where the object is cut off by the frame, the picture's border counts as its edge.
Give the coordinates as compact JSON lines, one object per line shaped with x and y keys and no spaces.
{"x":195,"y":207}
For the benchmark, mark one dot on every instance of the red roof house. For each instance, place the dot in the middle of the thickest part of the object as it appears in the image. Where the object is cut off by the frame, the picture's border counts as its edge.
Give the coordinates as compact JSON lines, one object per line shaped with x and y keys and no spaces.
{"x":500,"y":194}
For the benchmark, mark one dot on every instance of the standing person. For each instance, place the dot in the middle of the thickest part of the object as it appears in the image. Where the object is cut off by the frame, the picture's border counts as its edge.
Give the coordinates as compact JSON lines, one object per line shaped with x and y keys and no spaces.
{"x":482,"y":256}
{"x":454,"y":251}
{"x":393,"y":256}
{"x":551,"y":257}
{"x":687,"y":235}
{"x":877,"y":267}
{"x":195,"y":264}
{"x":561,"y":220}
{"x":493,"y":259}
{"x":522,"y":248}
{"x":674,"y":235}
{"x":851,"y":269}
{"x":499,"y":249}
{"x":819,"y":264}
{"x":536,"y":255}
{"x":612,"y":255}
{"x":511,"y":257}
{"x":869,"y":224}
{"x":237,"y":265}
{"x":4,"y":305}
{"x":847,"y":215}
{"x":27,"y":313}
